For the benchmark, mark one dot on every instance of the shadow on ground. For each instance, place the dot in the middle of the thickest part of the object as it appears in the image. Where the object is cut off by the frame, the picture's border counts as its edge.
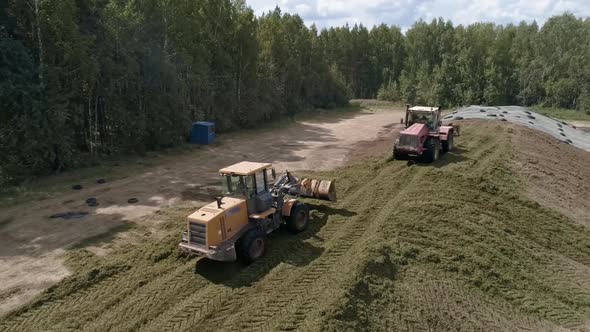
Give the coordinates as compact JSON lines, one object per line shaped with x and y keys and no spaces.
{"x":457,"y":155}
{"x":282,"y":248}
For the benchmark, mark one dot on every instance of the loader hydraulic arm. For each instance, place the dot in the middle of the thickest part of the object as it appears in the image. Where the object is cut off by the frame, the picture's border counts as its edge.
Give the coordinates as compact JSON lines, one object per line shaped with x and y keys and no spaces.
{"x":286,"y":184}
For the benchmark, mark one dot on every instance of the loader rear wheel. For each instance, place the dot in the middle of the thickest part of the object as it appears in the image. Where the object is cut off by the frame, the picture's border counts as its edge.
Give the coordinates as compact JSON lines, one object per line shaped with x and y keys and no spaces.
{"x":448,"y":144}
{"x":252,"y":245}
{"x":299,"y":219}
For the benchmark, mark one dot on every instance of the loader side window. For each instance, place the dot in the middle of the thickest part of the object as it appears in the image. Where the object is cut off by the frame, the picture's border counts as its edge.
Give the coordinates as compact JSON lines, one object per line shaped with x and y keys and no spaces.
{"x":260,"y":185}
{"x":226,"y":185}
{"x":250,"y":188}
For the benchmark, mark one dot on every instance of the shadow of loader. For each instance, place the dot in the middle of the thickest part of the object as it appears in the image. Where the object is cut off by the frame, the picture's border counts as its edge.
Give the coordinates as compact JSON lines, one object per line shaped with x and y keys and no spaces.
{"x":282,"y":248}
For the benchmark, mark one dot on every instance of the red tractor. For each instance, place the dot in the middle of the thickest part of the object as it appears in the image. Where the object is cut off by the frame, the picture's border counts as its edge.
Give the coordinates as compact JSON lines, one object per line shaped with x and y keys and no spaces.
{"x":425,"y":137}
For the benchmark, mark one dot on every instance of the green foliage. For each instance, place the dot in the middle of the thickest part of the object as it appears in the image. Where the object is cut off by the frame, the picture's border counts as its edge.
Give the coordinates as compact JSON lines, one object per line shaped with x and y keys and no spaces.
{"x":564,"y":113}
{"x":85,"y":79}
{"x":22,"y":118}
{"x":485,"y":63}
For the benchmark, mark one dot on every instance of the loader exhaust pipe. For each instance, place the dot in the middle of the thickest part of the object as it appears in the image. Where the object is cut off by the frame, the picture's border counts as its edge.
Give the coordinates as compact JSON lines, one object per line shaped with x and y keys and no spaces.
{"x":319,"y":189}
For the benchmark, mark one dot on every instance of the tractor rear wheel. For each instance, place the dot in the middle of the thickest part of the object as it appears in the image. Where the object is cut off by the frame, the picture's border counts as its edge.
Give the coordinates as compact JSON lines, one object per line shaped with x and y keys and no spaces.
{"x":299,"y":219}
{"x":448,"y":144}
{"x":252,"y":245}
{"x":432,"y":152}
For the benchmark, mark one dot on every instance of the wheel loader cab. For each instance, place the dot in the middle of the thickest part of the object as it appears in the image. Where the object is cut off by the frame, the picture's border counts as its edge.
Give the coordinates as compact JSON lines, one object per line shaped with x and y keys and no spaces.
{"x":254,"y":203}
{"x":237,"y":185}
{"x":250,"y":181}
{"x":213,"y":229}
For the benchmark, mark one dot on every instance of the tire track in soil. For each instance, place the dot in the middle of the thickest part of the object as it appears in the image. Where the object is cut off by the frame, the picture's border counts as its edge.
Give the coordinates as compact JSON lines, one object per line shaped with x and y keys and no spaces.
{"x":172,"y":299}
{"x":228,"y":302}
{"x":435,"y":305}
{"x":194,"y":305}
{"x":56,"y":313}
{"x":133,"y":310}
{"x":126,"y":307}
{"x":293,"y":321}
{"x":104,"y":299}
{"x":300,"y":286}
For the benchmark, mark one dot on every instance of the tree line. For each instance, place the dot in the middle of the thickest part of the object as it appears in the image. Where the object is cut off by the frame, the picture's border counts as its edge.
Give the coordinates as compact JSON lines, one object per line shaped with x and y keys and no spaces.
{"x":438,"y":63}
{"x":81,"y":79}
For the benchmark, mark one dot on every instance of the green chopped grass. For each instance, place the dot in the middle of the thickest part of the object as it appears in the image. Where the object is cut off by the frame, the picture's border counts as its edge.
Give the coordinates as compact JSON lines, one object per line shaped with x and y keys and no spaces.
{"x":455,"y":245}
{"x":563,"y":114}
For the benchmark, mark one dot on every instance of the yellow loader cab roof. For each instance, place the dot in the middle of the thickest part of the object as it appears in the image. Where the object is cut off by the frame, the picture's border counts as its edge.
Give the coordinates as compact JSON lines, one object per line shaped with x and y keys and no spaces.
{"x":244,"y":168}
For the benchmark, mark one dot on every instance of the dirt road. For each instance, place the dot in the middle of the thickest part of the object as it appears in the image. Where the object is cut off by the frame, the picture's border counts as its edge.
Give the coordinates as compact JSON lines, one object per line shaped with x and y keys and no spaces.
{"x":32,"y":244}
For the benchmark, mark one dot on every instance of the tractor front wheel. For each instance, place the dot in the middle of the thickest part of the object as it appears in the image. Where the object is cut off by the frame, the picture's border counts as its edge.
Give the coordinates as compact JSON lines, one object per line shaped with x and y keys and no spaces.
{"x":448,"y":144}
{"x":299,"y":219}
{"x":252,"y":245}
{"x":397,"y":155}
{"x":432,"y":152}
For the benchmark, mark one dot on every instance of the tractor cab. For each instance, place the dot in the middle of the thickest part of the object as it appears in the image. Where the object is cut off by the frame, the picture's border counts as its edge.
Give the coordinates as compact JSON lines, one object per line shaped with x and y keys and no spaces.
{"x":424,"y":137}
{"x":430,"y":116}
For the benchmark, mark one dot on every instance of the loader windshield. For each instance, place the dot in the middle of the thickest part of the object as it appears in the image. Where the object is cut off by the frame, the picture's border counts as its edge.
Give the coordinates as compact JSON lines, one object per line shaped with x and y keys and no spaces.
{"x":237,"y":185}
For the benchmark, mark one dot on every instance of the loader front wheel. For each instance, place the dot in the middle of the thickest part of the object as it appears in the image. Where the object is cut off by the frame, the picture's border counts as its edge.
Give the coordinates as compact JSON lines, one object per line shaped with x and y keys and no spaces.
{"x":252,"y":245}
{"x":299,"y":219}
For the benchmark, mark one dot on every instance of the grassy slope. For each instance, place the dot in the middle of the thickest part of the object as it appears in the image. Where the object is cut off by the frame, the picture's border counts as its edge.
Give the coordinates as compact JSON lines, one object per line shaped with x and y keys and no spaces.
{"x":563,"y":114}
{"x":454,"y":245}
{"x":471,"y":252}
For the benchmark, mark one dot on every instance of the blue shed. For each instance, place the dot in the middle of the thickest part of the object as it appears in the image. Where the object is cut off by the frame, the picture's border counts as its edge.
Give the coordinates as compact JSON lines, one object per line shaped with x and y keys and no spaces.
{"x":202,"y":132}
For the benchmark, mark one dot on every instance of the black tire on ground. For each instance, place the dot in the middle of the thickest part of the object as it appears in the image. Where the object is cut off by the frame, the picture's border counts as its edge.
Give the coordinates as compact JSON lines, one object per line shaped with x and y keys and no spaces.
{"x":448,"y":144}
{"x":399,"y":155}
{"x":432,"y":152}
{"x":252,"y":245}
{"x":299,"y":219}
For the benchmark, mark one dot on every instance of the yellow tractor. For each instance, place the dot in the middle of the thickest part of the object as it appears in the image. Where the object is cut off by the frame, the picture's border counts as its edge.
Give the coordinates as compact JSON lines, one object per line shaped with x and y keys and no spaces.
{"x":254,"y":203}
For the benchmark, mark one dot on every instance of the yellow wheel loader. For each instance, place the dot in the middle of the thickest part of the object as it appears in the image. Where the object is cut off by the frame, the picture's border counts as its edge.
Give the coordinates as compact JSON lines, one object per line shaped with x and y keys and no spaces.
{"x":254,"y":203}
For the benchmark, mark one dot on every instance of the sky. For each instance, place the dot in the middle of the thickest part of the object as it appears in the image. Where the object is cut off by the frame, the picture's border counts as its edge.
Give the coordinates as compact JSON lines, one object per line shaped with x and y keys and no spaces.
{"x":403,"y":13}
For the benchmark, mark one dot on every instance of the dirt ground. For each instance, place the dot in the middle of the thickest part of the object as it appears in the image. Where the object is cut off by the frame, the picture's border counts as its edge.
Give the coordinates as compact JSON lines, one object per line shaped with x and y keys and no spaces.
{"x":557,"y":174}
{"x":455,"y":245}
{"x":32,"y":244}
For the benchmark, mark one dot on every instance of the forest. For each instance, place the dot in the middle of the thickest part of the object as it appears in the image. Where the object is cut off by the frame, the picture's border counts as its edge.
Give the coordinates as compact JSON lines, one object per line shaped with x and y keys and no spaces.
{"x":84,"y":79}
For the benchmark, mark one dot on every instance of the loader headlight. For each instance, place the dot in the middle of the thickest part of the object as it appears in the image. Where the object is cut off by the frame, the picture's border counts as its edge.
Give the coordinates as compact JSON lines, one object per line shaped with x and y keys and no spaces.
{"x":185,"y":236}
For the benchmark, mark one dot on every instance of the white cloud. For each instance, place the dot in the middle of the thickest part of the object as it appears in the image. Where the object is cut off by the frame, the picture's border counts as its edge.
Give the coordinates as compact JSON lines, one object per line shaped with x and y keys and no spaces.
{"x":326,"y":13}
{"x":303,"y":9}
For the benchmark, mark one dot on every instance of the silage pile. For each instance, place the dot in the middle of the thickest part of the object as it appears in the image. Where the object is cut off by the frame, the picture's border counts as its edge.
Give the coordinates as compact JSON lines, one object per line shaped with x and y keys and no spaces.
{"x":454,"y":245}
{"x":525,"y":117}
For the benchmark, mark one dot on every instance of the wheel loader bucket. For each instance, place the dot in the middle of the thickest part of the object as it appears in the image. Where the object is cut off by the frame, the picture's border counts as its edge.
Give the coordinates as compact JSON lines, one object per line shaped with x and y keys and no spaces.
{"x":319,"y":189}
